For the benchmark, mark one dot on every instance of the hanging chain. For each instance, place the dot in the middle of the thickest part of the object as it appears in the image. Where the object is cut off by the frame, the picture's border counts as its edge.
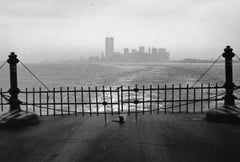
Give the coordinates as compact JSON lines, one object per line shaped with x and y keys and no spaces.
{"x":34,"y":75}
{"x":206,"y":71}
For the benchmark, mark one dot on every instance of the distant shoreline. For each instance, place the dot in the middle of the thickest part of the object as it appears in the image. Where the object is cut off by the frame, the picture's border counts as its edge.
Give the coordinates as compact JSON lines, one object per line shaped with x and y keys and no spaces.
{"x":201,"y":61}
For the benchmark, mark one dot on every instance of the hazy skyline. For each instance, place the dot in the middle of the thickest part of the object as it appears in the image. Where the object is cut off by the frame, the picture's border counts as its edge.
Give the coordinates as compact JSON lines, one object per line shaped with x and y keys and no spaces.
{"x":68,"y":29}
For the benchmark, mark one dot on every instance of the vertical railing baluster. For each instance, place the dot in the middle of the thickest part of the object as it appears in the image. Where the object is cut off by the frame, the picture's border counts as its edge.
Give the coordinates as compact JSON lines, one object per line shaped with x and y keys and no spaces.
{"x":143,"y":99}
{"x":1,"y":100}
{"x":194,"y":100}
{"x":68,"y":102}
{"x":104,"y":105}
{"x":150,"y":99}
{"x":208,"y":95}
{"x":34,"y":100}
{"x":40,"y":101}
{"x":216,"y":94}
{"x":61,"y":100}
{"x":158,"y":99}
{"x":82,"y":101}
{"x":121,"y":97}
{"x":128,"y":100}
{"x":180,"y":97}
{"x":111,"y":101}
{"x":118,"y":95}
{"x":47,"y":103}
{"x":89,"y":99}
{"x":75,"y":100}
{"x":165,"y":99}
{"x":136,"y":102}
{"x":172,"y":98}
{"x":201,"y":98}
{"x":54,"y":106}
{"x":187,"y":98}
{"x":26,"y":100}
{"x":97,"y":100}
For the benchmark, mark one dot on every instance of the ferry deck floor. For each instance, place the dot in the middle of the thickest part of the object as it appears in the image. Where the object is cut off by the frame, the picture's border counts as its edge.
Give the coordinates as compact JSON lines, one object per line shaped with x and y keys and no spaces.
{"x":167,"y":138}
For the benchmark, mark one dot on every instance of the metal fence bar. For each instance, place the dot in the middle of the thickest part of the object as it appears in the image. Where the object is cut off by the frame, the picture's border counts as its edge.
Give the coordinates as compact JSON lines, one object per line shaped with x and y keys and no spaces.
{"x":104,"y":104}
{"x":40,"y":101}
{"x":89,"y":100}
{"x":61,"y":100}
{"x":26,"y":95}
{"x":179,"y":98}
{"x":97,"y":100}
{"x":136,"y":102}
{"x":111,"y":100}
{"x":201,"y":98}
{"x":143,"y":91}
{"x":165,"y":99}
{"x":54,"y":106}
{"x":172,"y":98}
{"x":216,"y":93}
{"x":187,"y":98}
{"x":194,"y":100}
{"x":121,"y":97}
{"x":47,"y":104}
{"x":34,"y":100}
{"x":158,"y":99}
{"x":68,"y":102}
{"x":128,"y":100}
{"x":124,"y":90}
{"x":150,"y":99}
{"x":118,"y":98}
{"x":82,"y":97}
{"x":75,"y":101}
{"x":1,"y":99}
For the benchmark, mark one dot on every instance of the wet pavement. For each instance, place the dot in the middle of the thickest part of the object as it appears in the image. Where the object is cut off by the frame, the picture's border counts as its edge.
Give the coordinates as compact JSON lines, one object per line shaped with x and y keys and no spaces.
{"x":171,"y":137}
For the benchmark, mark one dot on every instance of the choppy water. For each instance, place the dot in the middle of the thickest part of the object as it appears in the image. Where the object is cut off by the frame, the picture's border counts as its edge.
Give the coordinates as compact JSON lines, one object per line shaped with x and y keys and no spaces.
{"x":77,"y":75}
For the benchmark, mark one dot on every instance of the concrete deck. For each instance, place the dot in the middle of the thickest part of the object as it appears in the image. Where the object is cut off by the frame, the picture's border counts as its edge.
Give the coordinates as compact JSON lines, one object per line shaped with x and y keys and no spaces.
{"x":177,"y":137}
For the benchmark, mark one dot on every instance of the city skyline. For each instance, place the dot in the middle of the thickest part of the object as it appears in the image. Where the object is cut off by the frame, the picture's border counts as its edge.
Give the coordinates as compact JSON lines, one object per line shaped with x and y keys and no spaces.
{"x":151,"y":55}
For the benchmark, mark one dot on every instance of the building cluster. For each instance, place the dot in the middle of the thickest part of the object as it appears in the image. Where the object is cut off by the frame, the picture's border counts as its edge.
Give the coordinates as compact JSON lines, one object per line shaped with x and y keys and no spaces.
{"x":140,"y":55}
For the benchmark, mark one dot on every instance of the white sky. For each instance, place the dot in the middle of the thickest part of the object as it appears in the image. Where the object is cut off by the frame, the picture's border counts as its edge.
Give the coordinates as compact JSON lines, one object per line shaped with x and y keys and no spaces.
{"x":40,"y":30}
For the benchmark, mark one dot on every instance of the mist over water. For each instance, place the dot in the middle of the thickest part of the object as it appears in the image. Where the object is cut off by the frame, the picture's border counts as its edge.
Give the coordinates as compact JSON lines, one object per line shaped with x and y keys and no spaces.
{"x":91,"y":75}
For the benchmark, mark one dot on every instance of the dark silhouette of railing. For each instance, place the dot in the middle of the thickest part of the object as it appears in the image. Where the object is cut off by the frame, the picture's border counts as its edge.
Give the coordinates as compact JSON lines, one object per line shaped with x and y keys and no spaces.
{"x":102,"y":100}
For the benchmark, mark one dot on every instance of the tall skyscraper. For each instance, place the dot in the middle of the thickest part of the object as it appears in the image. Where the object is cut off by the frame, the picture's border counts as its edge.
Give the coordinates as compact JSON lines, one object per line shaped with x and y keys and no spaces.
{"x":141,"y":49}
{"x":109,"y":46}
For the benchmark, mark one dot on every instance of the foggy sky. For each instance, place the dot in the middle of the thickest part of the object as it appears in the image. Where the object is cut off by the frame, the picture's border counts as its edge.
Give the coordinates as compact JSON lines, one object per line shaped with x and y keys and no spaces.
{"x":68,"y":29}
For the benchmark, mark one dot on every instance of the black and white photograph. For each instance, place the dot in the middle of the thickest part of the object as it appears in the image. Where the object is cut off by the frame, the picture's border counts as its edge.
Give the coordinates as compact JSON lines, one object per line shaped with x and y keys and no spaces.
{"x":119,"y":81}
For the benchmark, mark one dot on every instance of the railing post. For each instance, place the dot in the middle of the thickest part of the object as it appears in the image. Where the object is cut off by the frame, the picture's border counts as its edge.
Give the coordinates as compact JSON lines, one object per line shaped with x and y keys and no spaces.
{"x":228,"y":112}
{"x":14,"y":91}
{"x":229,"y":98}
{"x":15,"y":116}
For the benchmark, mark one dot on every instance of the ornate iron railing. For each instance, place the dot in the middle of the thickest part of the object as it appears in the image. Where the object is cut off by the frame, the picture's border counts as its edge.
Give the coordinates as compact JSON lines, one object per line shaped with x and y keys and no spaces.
{"x":119,"y":100}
